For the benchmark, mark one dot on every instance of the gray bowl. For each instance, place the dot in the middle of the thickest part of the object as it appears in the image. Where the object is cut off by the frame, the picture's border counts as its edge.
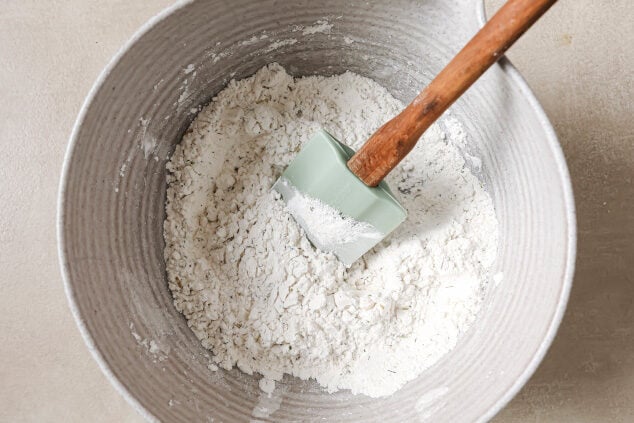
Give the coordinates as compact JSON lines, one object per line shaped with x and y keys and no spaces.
{"x":111,"y":204}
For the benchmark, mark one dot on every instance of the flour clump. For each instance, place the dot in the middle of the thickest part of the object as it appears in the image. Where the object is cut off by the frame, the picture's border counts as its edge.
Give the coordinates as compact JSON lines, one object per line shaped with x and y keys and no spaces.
{"x":261,"y":297}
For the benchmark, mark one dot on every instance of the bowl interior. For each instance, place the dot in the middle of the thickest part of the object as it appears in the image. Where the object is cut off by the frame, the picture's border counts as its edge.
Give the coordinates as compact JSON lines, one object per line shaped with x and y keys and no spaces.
{"x":113,"y":194}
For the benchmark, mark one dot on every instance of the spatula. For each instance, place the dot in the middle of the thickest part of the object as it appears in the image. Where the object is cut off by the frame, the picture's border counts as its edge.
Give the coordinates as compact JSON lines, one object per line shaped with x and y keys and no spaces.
{"x":328,"y":177}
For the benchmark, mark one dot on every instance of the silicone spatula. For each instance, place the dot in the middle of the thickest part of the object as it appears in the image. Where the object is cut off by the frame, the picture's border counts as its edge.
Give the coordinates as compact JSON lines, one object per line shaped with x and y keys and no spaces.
{"x":328,"y":173}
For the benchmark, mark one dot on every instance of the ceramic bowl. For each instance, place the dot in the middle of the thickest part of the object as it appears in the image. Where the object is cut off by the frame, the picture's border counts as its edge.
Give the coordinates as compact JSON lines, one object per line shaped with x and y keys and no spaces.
{"x":111,"y":204}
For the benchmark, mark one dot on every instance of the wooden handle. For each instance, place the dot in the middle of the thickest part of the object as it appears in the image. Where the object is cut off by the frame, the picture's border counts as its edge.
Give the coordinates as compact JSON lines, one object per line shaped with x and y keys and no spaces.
{"x":391,"y":142}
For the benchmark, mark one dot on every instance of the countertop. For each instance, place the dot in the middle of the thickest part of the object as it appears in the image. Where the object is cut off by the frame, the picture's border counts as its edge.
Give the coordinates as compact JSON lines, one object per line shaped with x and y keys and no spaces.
{"x":579,"y":61}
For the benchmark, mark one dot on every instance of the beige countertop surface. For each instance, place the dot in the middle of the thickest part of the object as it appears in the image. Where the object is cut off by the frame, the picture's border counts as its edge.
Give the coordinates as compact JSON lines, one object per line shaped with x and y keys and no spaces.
{"x":578,"y":60}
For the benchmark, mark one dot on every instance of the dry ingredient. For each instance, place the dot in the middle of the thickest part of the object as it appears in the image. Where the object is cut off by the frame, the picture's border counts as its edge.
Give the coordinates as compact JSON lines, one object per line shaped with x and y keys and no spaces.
{"x":326,"y":227}
{"x":262,"y":298}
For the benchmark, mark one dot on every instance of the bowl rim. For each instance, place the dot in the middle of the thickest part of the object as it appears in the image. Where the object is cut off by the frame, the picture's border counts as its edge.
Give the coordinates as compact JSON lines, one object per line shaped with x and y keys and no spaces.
{"x":506,"y":66}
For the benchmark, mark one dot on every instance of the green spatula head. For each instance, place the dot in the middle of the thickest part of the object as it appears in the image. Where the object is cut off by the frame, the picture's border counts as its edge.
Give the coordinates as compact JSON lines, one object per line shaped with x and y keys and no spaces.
{"x":339,"y":213}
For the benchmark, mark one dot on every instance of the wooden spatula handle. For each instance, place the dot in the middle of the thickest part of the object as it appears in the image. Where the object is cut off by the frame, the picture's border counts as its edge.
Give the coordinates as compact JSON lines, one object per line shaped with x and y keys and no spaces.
{"x":391,"y":143}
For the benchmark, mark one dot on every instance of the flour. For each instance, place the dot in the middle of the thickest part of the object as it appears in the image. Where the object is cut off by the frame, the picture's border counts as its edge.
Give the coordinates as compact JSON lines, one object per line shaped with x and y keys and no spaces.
{"x":262,"y":298}
{"x":156,"y":350}
{"x":326,"y":228}
{"x":321,"y":26}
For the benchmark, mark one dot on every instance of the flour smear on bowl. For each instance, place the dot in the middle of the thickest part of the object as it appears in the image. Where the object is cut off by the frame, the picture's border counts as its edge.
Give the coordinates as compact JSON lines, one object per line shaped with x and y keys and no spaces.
{"x":262,"y":298}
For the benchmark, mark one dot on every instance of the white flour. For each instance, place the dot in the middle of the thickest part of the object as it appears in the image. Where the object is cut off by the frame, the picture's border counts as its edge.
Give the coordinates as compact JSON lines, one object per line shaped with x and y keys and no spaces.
{"x":262,"y":298}
{"x":328,"y":229}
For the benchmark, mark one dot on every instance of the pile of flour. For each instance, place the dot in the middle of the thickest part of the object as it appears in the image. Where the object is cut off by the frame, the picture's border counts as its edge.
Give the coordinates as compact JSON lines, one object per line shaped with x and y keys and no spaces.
{"x":262,"y":298}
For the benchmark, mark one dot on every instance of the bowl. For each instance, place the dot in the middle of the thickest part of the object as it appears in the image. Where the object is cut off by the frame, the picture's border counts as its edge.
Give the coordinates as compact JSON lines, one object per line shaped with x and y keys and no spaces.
{"x":112,"y":195}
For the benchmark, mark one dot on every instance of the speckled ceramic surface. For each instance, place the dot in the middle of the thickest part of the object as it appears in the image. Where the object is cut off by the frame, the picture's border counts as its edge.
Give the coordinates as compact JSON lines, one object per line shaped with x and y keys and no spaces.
{"x":113,"y":191}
